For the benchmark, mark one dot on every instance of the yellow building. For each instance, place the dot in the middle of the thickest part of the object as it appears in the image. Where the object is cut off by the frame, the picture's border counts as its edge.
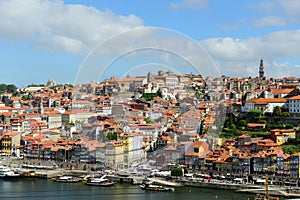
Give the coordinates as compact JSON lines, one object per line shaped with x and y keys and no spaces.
{"x":280,"y":136}
{"x":10,"y":141}
{"x":114,"y":154}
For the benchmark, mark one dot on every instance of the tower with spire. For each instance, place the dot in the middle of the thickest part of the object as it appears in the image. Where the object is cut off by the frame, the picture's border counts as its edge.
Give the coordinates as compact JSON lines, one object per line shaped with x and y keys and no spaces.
{"x":149,"y":77}
{"x":41,"y":107}
{"x":261,"y":70}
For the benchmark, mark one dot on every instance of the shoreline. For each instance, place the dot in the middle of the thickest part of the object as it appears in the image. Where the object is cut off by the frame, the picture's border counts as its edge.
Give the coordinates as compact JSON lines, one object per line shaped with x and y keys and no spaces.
{"x":48,"y":172}
{"x":285,"y":192}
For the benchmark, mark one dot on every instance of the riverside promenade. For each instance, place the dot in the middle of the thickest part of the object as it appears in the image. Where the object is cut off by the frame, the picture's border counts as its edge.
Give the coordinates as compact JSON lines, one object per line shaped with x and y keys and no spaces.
{"x":49,"y":169}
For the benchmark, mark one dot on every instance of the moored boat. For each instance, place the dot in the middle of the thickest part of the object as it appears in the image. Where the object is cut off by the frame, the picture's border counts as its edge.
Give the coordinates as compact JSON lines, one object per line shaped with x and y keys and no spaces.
{"x":99,"y":181}
{"x":266,"y":196}
{"x":152,"y":187}
{"x":66,"y":179}
{"x":7,"y":173}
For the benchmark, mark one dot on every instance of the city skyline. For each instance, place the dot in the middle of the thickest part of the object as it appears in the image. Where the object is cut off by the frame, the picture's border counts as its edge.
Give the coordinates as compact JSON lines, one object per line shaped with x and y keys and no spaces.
{"x":43,"y":40}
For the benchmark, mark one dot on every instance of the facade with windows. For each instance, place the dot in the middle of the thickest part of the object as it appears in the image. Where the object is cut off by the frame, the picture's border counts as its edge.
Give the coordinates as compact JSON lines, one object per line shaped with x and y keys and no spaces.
{"x":294,"y":105}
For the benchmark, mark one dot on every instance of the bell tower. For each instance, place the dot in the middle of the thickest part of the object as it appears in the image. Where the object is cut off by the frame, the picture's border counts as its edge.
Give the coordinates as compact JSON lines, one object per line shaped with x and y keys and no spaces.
{"x":261,"y":70}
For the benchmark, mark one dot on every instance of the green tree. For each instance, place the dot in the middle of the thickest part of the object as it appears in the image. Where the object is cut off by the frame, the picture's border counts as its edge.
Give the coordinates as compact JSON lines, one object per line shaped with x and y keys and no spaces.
{"x":290,"y":149}
{"x":262,"y":121}
{"x":253,"y":114}
{"x":148,"y":121}
{"x":149,"y":96}
{"x":69,"y":85}
{"x":111,"y":136}
{"x":285,"y":114}
{"x":36,"y":85}
{"x":232,"y":126}
{"x":289,"y":126}
{"x":11,"y":88}
{"x":2,"y":88}
{"x":277,"y":111}
{"x":176,"y":172}
{"x":242,"y":123}
{"x":25,"y":97}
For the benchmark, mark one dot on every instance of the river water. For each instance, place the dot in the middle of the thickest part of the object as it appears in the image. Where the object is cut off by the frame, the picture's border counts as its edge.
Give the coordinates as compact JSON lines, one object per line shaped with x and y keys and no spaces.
{"x":46,"y":189}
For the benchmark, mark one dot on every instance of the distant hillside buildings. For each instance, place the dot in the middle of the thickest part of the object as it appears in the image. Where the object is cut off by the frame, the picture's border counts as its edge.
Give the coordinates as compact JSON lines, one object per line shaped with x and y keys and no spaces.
{"x":169,"y":118}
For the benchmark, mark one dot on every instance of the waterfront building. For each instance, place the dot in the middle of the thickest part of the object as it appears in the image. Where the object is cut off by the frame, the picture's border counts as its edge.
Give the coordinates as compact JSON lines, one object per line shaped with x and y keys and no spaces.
{"x":114,"y":155}
{"x":241,"y":162}
{"x":294,"y":165}
{"x":10,"y":141}
{"x":200,"y":150}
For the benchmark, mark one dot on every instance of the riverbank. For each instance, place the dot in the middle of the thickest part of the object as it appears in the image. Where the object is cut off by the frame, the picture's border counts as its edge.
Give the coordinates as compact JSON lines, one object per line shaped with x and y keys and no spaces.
{"x":48,"y":170}
{"x":287,"y":192}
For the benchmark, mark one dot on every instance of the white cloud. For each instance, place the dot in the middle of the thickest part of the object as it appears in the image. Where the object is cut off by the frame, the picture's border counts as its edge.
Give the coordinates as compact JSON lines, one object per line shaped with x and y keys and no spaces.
{"x":55,"y":26}
{"x":270,"y":21}
{"x":234,"y":26}
{"x":290,"y":7}
{"x":278,"y":13}
{"x":240,"y":57}
{"x":190,"y":4}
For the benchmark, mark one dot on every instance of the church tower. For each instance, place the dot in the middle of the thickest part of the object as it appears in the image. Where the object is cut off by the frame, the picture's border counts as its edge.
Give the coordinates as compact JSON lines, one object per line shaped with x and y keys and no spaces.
{"x":261,"y":70}
{"x":41,"y":107}
{"x":149,"y":77}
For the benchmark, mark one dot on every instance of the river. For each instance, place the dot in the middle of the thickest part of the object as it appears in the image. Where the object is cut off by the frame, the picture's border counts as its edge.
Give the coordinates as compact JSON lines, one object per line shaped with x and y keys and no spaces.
{"x":46,"y":189}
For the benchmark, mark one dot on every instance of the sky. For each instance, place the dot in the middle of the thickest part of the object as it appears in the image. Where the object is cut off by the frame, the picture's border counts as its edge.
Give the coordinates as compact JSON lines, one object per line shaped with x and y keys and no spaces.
{"x":60,"y":40}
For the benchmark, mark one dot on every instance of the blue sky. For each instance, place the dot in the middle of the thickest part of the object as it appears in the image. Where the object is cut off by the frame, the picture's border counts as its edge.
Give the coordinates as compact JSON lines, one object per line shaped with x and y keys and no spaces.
{"x":42,"y":39}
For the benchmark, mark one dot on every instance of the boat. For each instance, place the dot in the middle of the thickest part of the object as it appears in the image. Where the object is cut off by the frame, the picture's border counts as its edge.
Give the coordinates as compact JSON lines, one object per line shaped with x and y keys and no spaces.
{"x":266,"y":196}
{"x":7,"y":173}
{"x":67,"y":179}
{"x":102,"y":181}
{"x":152,"y":187}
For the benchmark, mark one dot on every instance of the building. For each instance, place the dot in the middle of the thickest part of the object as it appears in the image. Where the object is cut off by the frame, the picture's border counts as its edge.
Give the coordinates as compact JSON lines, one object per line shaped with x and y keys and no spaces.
{"x":265,"y":105}
{"x":114,"y":155}
{"x":294,"y":105}
{"x":10,"y":142}
{"x":281,"y":136}
{"x":261,"y":72}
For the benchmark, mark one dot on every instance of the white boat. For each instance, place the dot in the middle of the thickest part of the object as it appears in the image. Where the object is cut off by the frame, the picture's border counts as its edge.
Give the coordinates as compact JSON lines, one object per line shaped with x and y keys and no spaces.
{"x":152,"y":187}
{"x":7,"y":173}
{"x":66,"y":179}
{"x":99,"y":181}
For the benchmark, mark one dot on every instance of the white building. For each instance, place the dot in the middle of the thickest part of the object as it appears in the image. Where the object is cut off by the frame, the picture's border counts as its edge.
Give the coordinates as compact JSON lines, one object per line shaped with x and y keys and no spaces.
{"x":265,"y":105}
{"x":294,"y":105}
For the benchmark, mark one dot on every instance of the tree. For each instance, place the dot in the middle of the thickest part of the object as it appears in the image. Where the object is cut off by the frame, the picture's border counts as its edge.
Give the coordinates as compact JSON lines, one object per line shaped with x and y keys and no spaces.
{"x":148,"y":121}
{"x":232,"y":126}
{"x":177,"y":172}
{"x":242,"y":123}
{"x":262,"y":121}
{"x":2,"y":88}
{"x":25,"y":97}
{"x":253,"y":114}
{"x":290,"y":149}
{"x":277,"y":111}
{"x":289,"y":126}
{"x":149,"y":96}
{"x":111,"y":136}
{"x":11,"y":88}
{"x":285,"y":114}
{"x":36,"y":85}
